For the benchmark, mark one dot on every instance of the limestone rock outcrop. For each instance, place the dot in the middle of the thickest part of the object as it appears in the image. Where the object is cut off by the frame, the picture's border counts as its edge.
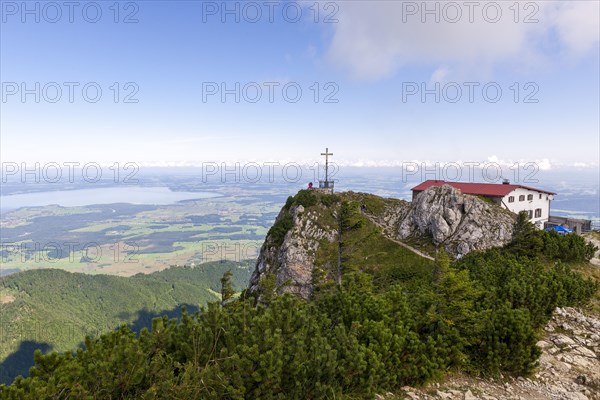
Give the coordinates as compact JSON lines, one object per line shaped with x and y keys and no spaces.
{"x":293,"y":261}
{"x":461,"y":223}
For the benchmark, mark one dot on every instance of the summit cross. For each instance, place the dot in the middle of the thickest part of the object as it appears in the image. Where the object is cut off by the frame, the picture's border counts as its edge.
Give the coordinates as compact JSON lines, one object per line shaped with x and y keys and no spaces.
{"x":326,"y":154}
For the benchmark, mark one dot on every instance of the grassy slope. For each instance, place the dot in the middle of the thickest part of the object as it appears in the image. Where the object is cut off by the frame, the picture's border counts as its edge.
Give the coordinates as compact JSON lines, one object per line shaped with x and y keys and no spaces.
{"x":366,"y":248}
{"x":55,"y":309}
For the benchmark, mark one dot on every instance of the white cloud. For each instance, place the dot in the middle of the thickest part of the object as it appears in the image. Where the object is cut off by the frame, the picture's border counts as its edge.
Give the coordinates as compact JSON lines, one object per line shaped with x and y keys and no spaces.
{"x":374,"y":39}
{"x":439,"y":75}
{"x":544,"y":165}
{"x":577,"y":25}
{"x":493,"y":159}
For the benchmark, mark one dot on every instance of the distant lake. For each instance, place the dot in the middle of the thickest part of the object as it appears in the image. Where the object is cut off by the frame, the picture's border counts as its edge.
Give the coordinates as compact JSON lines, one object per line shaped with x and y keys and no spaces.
{"x":86,"y":197}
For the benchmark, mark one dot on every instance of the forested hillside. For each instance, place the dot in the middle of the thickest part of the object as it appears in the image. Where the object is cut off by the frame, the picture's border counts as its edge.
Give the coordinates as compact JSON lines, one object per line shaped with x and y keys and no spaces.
{"x":50,"y":309}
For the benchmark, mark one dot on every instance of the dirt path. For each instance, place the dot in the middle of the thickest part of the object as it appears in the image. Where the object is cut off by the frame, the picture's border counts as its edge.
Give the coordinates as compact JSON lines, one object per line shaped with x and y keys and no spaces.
{"x":388,"y":236}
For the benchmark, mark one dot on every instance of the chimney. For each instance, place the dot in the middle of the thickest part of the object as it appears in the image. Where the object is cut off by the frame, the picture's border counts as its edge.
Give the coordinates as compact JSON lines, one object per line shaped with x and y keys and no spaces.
{"x":505,"y":182}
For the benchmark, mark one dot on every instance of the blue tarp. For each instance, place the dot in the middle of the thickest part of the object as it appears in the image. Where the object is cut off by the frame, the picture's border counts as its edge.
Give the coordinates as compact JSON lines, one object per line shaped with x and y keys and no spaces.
{"x":559,"y":229}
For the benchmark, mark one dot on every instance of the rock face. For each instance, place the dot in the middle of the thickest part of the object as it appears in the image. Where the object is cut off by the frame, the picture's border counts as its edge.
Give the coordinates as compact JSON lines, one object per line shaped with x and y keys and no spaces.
{"x":293,"y":261}
{"x":461,"y":223}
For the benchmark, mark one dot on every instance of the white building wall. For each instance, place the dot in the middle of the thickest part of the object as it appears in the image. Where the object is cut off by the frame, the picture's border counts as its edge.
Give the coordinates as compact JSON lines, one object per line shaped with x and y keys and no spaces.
{"x":517,"y":205}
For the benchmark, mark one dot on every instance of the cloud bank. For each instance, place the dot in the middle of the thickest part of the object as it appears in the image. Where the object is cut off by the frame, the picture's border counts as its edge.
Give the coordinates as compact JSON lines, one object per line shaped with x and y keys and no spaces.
{"x":374,"y":39}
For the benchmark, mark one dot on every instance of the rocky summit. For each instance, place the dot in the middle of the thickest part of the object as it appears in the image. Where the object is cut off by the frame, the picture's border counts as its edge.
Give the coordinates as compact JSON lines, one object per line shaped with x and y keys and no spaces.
{"x":306,"y":236}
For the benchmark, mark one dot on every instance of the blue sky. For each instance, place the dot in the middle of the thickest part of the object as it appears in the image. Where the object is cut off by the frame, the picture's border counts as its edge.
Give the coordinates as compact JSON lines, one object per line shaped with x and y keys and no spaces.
{"x":366,"y":61}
